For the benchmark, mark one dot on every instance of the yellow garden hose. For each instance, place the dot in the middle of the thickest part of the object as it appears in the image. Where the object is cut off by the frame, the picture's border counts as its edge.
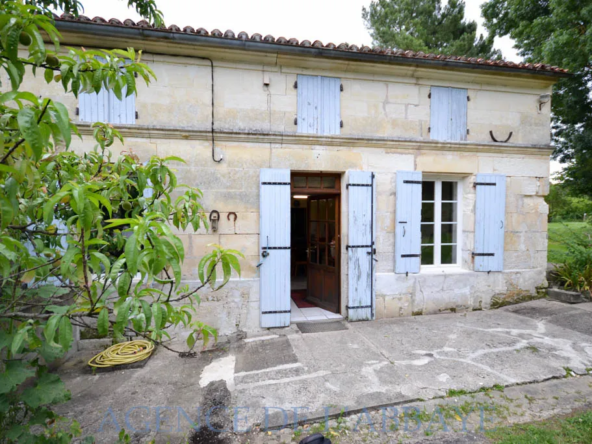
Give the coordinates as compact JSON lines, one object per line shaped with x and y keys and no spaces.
{"x":123,"y":353}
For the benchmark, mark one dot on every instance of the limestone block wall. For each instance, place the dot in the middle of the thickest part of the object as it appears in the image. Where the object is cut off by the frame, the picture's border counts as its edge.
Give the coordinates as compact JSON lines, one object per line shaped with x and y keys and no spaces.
{"x":233,"y":186}
{"x":386,"y":114}
{"x":376,"y":101}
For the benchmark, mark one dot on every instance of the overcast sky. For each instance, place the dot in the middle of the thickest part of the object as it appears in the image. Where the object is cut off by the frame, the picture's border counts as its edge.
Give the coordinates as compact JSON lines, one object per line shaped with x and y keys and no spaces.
{"x":334,"y":21}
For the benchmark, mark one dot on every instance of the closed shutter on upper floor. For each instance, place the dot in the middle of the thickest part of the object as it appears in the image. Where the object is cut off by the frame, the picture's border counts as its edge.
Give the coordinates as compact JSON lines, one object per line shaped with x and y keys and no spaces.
{"x":106,"y":107}
{"x":448,"y":114}
{"x":319,"y":105}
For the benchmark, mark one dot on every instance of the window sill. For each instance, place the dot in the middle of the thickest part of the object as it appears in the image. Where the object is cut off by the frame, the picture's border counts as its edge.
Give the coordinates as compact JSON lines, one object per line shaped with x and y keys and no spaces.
{"x":443,"y":270}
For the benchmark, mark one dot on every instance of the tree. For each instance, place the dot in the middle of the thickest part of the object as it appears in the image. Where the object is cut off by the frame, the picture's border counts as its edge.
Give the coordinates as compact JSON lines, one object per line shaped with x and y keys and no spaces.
{"x":424,"y":25}
{"x":565,"y":207}
{"x":558,"y":33}
{"x":83,"y":236}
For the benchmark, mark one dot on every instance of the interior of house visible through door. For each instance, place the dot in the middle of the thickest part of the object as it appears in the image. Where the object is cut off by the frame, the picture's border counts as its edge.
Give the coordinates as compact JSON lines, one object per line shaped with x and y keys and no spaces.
{"x":315,"y":245}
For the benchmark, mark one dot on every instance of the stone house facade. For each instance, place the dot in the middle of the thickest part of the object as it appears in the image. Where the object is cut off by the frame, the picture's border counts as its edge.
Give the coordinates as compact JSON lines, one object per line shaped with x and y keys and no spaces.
{"x":383,"y":183}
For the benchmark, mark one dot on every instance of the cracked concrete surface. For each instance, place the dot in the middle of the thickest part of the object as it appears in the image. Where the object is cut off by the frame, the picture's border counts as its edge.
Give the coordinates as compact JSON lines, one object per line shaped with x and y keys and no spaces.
{"x":369,"y":364}
{"x":422,"y":357}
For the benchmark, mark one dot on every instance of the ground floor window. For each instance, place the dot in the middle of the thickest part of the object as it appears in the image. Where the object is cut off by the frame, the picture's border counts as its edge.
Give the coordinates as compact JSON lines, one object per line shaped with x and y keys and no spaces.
{"x":440,"y":225}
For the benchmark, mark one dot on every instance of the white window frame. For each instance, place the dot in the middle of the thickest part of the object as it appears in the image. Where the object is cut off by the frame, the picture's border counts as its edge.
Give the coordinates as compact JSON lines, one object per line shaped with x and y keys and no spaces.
{"x":438,"y":179}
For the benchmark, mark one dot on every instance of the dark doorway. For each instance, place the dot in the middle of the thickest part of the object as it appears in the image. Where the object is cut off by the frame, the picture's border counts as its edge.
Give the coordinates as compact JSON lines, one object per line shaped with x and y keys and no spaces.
{"x":315,"y":236}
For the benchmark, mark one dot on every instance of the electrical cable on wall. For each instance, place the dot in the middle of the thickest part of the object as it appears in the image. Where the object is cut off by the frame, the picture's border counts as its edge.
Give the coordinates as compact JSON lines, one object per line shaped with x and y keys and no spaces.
{"x":212,"y":128}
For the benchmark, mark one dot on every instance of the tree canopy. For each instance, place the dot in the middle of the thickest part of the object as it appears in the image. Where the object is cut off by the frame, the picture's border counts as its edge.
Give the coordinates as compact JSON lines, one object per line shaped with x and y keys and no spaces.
{"x":557,"y":32}
{"x":426,"y":25}
{"x":86,"y":238}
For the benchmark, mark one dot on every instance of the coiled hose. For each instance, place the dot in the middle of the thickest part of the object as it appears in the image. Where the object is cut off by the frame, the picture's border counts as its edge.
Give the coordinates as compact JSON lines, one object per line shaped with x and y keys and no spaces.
{"x":123,"y":353}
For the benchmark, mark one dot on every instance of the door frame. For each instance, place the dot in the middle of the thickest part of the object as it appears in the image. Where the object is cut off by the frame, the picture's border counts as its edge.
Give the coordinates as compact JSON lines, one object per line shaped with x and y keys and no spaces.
{"x":333,"y":192}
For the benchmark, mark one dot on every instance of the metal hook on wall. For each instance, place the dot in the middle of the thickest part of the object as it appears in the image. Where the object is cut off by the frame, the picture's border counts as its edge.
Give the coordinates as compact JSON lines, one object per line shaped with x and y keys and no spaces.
{"x":214,"y":218}
{"x":500,"y":141}
{"x":235,"y":218}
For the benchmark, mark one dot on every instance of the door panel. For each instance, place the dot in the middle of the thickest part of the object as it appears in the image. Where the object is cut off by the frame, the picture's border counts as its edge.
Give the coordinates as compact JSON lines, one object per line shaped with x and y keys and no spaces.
{"x":323,"y":251}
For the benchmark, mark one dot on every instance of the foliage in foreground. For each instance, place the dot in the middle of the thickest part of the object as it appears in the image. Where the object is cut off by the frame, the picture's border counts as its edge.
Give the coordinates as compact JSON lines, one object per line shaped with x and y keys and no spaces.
{"x":85,"y":238}
{"x":426,"y":25}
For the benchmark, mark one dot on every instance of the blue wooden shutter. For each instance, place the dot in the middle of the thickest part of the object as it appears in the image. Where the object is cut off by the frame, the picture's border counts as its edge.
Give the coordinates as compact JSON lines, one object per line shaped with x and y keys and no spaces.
{"x":360,"y":248}
{"x":274,"y":244}
{"x":309,"y":104}
{"x":440,"y":113}
{"x":93,"y":107}
{"x":448,"y":114}
{"x":122,"y":111}
{"x":458,"y":114}
{"x":408,"y":222}
{"x":490,"y":221}
{"x":330,"y":116}
{"x":106,"y":107}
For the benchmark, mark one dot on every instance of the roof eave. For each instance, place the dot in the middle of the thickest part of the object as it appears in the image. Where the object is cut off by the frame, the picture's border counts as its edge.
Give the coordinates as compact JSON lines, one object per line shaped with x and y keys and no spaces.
{"x":110,"y":30}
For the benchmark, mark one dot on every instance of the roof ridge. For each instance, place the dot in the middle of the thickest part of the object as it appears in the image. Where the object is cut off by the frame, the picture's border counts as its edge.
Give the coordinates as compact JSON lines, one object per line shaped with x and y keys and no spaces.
{"x":256,"y":37}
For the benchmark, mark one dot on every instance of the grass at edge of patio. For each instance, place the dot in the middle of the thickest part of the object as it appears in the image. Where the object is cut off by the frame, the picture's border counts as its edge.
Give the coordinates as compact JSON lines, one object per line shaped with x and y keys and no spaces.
{"x":573,"y":429}
{"x":558,"y":232}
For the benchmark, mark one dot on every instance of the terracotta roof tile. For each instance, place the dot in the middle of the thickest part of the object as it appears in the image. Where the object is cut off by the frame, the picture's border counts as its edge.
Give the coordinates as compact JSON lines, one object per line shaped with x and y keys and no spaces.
{"x":229,"y":34}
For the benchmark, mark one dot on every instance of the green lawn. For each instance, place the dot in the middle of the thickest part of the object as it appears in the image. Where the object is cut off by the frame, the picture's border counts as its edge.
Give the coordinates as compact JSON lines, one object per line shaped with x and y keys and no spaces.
{"x":576,"y":429}
{"x":558,"y":231}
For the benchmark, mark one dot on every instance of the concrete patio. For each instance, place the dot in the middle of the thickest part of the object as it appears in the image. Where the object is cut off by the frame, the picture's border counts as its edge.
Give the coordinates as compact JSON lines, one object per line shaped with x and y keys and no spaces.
{"x":336,"y":366}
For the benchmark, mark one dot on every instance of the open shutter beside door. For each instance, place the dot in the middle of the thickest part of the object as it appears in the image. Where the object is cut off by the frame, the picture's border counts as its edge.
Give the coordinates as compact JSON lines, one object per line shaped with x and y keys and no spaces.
{"x":490,"y":221}
{"x":408,"y":222}
{"x":274,"y":244}
{"x":360,"y":248}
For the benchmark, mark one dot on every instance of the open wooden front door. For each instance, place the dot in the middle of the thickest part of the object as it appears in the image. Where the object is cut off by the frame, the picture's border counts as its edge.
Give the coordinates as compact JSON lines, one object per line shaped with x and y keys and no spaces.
{"x":323,"y":251}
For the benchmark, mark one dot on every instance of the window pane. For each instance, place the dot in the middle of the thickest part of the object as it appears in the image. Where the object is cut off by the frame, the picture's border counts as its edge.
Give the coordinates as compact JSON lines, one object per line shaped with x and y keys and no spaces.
{"x":448,"y":190}
{"x":427,"y":212}
{"x":299,"y":182}
{"x":322,"y":254}
{"x":330,"y":209}
{"x":448,"y":254}
{"x":449,"y":212}
{"x":314,"y":182}
{"x":328,"y":182}
{"x":449,"y":233}
{"x":331,"y":234}
{"x":314,"y":209}
{"x":427,"y":255}
{"x":313,"y":232}
{"x":427,"y":233}
{"x":313,"y":253}
{"x":331,"y":254}
{"x":427,"y":190}
{"x":322,"y":232}
{"x":322,"y":209}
